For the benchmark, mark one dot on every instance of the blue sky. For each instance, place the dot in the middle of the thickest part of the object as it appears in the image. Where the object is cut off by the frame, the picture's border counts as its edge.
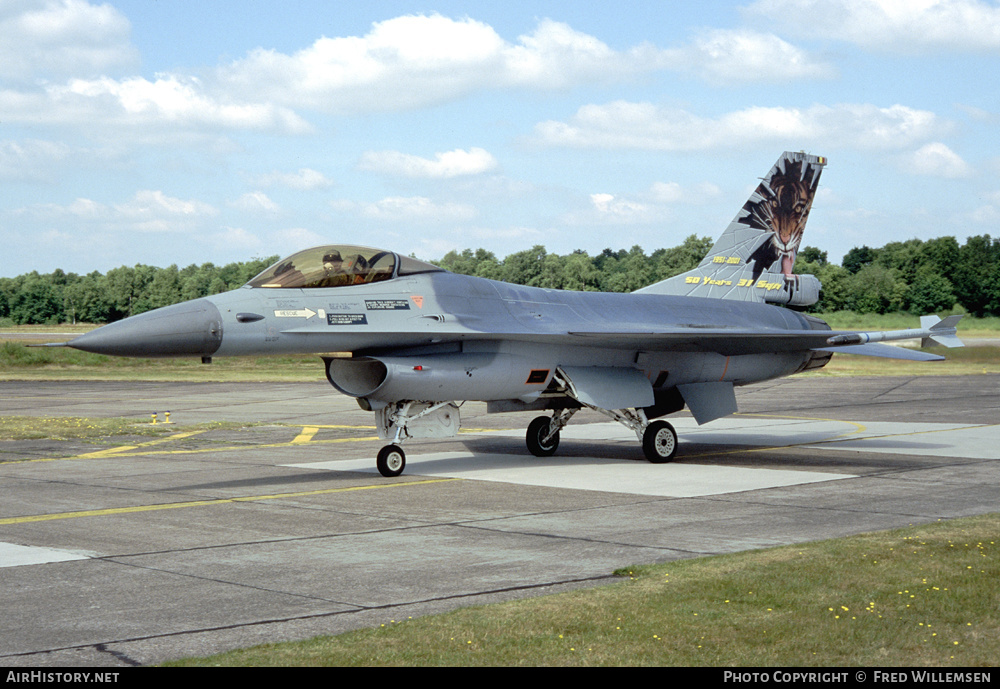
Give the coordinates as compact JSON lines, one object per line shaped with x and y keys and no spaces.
{"x":144,"y":131}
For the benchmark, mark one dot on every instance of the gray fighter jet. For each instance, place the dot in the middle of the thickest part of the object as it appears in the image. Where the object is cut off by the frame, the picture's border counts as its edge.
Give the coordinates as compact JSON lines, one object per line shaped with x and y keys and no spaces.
{"x":411,"y":341}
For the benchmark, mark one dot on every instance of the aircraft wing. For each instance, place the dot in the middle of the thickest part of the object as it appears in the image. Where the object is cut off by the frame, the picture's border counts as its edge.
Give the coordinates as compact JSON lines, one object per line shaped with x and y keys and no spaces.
{"x":724,"y":341}
{"x":735,"y":341}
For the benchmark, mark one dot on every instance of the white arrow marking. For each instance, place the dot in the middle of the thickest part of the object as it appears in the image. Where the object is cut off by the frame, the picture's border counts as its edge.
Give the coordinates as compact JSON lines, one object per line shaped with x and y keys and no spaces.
{"x":295,"y":313}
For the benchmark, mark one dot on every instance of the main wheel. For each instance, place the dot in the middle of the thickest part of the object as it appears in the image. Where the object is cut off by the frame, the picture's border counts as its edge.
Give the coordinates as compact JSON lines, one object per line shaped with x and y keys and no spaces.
{"x":659,"y":442}
{"x":391,"y":461}
{"x":537,"y":430}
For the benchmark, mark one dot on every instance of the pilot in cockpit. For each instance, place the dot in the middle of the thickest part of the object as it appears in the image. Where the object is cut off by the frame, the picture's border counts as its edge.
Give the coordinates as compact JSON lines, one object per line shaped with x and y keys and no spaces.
{"x":333,"y":267}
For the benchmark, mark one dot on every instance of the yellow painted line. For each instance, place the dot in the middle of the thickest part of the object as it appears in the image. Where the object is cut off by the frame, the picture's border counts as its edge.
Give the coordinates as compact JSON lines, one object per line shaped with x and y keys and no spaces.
{"x":126,"y":450}
{"x":111,"y":451}
{"x":208,"y":503}
{"x":319,"y":425}
{"x":206,"y":450}
{"x":858,"y":427}
{"x":306,"y":435}
{"x":933,"y":430}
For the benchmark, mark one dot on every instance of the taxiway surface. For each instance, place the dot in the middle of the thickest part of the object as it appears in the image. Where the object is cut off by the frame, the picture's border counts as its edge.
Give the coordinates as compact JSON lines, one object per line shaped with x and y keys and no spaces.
{"x":204,"y":540}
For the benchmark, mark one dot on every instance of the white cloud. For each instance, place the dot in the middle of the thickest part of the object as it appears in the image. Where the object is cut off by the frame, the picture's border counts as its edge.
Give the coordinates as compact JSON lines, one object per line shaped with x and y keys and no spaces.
{"x":179,"y":101}
{"x":904,"y":26}
{"x":646,"y":126}
{"x":155,"y":203}
{"x":305,"y":179}
{"x":617,"y":209}
{"x":402,"y":63}
{"x":256,"y":202}
{"x":672,"y":192}
{"x":146,"y":211}
{"x":31,"y":159}
{"x":416,"y":61}
{"x":234,"y":240}
{"x":47,"y":38}
{"x":417,"y":208}
{"x":937,"y":160}
{"x":444,"y":165}
{"x":557,"y":56}
{"x":295,"y":239}
{"x":657,"y":204}
{"x":985,"y":215}
{"x":406,"y":208}
{"x":167,"y":107}
{"x":743,"y":56}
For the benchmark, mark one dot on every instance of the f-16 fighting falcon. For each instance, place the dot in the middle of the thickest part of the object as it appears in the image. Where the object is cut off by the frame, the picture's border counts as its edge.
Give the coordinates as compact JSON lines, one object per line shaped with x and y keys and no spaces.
{"x":411,"y":341}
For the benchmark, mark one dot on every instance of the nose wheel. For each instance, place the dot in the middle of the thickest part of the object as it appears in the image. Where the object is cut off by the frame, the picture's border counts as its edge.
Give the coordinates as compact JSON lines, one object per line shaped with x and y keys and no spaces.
{"x":391,"y":461}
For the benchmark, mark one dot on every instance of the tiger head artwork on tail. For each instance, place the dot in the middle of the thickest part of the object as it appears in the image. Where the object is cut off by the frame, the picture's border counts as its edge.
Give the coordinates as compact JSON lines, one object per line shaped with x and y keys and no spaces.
{"x":781,"y":205}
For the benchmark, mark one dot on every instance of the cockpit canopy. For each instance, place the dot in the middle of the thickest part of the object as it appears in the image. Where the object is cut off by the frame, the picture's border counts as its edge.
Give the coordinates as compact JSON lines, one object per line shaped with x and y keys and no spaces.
{"x":338,"y":266}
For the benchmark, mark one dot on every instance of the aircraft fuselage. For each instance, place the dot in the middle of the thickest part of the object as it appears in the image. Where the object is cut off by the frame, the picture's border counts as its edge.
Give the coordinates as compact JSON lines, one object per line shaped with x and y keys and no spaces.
{"x":501,"y":332}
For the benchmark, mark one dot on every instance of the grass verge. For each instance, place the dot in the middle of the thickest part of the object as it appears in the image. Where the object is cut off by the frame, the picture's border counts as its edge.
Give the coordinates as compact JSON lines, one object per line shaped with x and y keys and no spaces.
{"x":920,"y":596}
{"x":18,"y":362}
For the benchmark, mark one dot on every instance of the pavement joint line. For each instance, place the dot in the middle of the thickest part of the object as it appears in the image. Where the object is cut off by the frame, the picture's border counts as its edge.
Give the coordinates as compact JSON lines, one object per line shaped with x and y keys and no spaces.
{"x":207,"y":503}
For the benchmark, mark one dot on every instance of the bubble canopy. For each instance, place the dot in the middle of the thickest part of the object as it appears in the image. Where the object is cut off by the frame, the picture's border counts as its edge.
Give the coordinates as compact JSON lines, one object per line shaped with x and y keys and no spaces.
{"x":338,"y":265}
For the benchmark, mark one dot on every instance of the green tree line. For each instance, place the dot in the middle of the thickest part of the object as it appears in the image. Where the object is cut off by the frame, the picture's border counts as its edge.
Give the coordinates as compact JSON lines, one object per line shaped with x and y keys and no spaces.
{"x":61,"y":297}
{"x":914,"y":276}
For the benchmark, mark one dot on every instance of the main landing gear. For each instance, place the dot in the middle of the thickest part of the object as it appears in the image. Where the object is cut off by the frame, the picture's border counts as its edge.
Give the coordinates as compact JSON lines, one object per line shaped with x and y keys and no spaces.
{"x":658,"y":438}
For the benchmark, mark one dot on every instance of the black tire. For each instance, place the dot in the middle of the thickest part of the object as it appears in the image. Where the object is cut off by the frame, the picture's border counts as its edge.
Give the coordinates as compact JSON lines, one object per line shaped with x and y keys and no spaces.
{"x":391,"y":461}
{"x":659,"y":442}
{"x":537,"y":430}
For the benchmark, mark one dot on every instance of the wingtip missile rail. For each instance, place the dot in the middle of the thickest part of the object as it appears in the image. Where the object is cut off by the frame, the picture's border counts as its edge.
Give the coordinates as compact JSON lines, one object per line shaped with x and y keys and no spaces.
{"x":933,"y":330}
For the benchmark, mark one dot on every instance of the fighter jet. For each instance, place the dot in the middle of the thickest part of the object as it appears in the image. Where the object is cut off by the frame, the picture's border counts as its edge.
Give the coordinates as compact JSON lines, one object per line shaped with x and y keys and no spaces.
{"x":411,"y":341}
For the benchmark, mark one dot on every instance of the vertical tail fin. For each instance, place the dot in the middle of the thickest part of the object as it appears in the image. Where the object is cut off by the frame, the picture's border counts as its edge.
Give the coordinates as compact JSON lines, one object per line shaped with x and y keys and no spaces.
{"x":753,"y":259}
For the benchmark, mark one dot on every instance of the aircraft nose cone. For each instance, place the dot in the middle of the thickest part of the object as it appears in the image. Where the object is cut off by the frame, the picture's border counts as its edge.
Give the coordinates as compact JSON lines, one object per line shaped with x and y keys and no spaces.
{"x":193,"y":328}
